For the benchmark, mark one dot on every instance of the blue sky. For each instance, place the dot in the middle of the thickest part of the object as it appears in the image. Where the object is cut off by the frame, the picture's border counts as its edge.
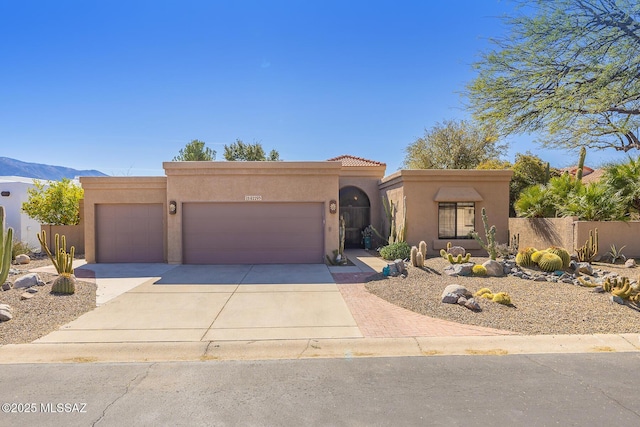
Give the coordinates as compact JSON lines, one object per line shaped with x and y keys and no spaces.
{"x":121,"y":86}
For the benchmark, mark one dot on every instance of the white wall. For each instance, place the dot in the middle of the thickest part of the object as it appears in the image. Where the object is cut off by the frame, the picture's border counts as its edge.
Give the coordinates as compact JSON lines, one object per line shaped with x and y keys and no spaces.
{"x":25,"y":229}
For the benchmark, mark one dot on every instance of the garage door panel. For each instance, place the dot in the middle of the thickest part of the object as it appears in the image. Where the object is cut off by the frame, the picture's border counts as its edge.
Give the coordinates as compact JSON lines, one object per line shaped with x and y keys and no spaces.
{"x":248,"y":233}
{"x":129,"y":233}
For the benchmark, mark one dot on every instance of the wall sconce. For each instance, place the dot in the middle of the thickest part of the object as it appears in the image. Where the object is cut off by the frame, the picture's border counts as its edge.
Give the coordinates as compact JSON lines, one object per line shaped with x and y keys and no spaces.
{"x":333,"y":207}
{"x":6,"y":193}
{"x":173,"y":207}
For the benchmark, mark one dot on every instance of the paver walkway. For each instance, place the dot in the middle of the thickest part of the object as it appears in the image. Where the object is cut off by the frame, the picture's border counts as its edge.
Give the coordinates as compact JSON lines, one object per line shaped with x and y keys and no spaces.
{"x":378,"y":318}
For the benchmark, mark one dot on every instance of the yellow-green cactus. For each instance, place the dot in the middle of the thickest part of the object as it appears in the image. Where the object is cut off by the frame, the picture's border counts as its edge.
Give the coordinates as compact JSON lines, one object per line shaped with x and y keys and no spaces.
{"x":479,"y":270}
{"x":550,"y":262}
{"x":65,"y":283}
{"x":459,"y":259}
{"x":523,"y":257}
{"x":502,"y":298}
{"x":535,"y":257}
{"x":482,"y":292}
{"x":562,"y":253}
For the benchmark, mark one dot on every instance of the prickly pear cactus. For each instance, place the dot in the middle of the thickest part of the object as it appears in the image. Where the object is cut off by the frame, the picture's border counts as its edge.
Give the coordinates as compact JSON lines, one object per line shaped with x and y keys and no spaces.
{"x":64,"y":284}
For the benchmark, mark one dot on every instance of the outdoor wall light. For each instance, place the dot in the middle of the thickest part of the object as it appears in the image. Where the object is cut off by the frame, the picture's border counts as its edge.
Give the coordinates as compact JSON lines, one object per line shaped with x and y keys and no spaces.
{"x":333,"y":206}
{"x":6,"y":193}
{"x":173,"y":207}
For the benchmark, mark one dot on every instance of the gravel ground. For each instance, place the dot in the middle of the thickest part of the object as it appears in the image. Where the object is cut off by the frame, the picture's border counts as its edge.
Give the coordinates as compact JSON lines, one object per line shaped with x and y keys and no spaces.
{"x":538,"y":307}
{"x":45,"y":312}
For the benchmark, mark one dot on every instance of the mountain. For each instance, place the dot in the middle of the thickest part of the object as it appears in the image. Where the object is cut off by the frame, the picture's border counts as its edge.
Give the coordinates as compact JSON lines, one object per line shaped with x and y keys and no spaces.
{"x":13,"y":167}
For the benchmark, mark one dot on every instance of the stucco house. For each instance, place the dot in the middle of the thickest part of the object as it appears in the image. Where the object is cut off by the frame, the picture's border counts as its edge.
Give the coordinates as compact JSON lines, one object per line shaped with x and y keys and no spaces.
{"x":279,"y":212}
{"x":13,"y":192}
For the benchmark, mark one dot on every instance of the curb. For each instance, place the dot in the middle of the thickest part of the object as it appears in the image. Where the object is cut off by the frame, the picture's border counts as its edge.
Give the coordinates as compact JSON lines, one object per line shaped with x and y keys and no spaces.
{"x":127,"y":352}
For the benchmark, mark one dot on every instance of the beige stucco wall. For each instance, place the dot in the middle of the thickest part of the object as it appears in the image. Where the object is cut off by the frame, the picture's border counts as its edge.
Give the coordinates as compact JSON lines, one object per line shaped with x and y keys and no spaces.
{"x":619,"y":233}
{"x":111,"y":190}
{"x":572,"y":234}
{"x":234,"y":181}
{"x":420,"y":188}
{"x":540,"y":233}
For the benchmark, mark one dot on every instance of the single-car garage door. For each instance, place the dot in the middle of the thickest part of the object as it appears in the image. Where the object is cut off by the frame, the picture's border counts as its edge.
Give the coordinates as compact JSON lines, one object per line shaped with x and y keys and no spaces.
{"x":129,"y":233}
{"x":252,"y":233}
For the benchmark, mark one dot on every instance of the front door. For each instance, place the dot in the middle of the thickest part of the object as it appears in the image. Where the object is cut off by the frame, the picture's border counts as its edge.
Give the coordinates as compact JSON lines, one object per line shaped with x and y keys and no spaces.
{"x":355,"y":209}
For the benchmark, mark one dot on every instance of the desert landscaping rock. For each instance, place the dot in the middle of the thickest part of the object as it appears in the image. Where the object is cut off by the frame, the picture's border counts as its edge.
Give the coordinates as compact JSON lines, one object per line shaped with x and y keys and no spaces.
{"x":26,"y":295}
{"x":23,"y":259}
{"x":585,"y":268}
{"x":459,"y":269}
{"x":494,"y":268}
{"x":45,"y":312}
{"x":630,"y":263}
{"x":457,"y":250}
{"x":5,"y":313}
{"x":539,"y":307}
{"x":27,"y":281}
{"x":6,"y":286}
{"x":455,"y":289}
{"x":450,"y":298}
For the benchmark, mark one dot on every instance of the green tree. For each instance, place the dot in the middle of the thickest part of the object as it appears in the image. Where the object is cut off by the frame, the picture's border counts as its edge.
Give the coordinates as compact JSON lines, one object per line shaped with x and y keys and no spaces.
{"x":453,"y":145}
{"x":195,"y":151}
{"x":569,"y":70}
{"x":528,"y":170}
{"x":57,"y":203}
{"x":239,"y":151}
{"x":593,"y":202}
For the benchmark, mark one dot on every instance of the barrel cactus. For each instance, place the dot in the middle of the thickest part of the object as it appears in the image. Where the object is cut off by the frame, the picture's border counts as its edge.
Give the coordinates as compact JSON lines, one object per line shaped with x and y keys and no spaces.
{"x":535,"y":257}
{"x":550,"y":262}
{"x":502,"y":298}
{"x":479,"y":270}
{"x":64,"y":284}
{"x":523,"y":257}
{"x":562,"y":253}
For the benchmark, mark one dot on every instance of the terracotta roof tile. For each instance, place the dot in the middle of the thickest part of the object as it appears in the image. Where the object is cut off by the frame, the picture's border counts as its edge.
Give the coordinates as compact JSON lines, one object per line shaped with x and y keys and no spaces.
{"x":348,"y":160}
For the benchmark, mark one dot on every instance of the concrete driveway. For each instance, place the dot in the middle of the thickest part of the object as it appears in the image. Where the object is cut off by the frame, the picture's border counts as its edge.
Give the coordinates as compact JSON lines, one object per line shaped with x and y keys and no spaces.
{"x":166,"y":303}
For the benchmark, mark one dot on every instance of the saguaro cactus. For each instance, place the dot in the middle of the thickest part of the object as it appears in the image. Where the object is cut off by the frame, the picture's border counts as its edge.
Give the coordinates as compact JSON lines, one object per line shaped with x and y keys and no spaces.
{"x":6,"y":244}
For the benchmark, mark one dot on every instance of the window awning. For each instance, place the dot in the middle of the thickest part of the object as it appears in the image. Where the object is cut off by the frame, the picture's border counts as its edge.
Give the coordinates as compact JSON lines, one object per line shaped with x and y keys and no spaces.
{"x":457,"y":194}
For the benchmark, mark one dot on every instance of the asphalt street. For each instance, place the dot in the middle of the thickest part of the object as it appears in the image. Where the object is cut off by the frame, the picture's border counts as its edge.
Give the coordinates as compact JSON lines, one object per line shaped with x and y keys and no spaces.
{"x":515,"y":390}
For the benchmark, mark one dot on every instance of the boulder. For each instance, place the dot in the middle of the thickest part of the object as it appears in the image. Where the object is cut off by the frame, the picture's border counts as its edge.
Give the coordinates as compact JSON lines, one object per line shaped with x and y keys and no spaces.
{"x":23,"y":259}
{"x":450,"y":299}
{"x":465,"y":269}
{"x":630,"y":263}
{"x":585,"y":268}
{"x":473,"y":305}
{"x":400,"y":266}
{"x":28,"y":280}
{"x":5,"y":313}
{"x":458,"y":290}
{"x":457,"y":250}
{"x":6,"y":286}
{"x":494,"y":268}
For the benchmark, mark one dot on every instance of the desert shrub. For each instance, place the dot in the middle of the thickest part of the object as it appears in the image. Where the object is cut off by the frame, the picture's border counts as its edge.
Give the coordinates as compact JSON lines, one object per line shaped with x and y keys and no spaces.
{"x":19,"y":248}
{"x":399,"y":250}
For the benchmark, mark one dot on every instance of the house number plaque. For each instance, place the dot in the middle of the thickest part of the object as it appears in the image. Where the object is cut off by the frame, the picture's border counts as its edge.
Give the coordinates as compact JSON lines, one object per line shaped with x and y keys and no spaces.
{"x":252,"y":198}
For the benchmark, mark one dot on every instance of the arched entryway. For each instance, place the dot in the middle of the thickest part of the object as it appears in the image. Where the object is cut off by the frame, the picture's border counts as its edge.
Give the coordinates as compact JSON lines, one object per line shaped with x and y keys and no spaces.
{"x":356,"y":211}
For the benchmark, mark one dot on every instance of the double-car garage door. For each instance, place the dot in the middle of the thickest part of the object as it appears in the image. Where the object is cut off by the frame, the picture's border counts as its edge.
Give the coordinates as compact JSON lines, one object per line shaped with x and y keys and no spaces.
{"x":252,"y":233}
{"x":214,"y":233}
